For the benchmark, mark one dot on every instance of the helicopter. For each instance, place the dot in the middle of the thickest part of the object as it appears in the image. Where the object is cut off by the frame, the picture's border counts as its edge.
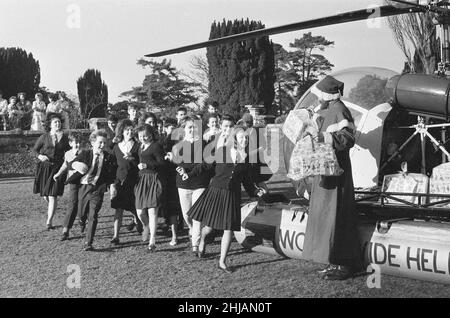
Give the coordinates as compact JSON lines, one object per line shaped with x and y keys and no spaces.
{"x":402,"y":232}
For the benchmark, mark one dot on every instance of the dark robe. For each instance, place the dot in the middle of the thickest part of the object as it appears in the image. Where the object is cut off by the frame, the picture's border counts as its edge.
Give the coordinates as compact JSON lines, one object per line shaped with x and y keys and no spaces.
{"x":331,"y":234}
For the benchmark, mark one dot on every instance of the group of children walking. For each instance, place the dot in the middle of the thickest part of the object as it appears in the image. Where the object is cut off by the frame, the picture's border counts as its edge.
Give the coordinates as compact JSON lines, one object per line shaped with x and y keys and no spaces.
{"x":150,"y":172}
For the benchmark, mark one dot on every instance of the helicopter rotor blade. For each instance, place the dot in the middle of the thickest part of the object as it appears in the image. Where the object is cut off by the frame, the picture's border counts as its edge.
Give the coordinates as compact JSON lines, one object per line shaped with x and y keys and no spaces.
{"x":382,"y":11}
{"x":432,"y":8}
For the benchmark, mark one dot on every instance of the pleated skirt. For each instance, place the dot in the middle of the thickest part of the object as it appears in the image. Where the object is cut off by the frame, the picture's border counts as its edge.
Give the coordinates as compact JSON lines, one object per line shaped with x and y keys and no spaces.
{"x":148,"y":190}
{"x":43,"y":181}
{"x":218,"y":208}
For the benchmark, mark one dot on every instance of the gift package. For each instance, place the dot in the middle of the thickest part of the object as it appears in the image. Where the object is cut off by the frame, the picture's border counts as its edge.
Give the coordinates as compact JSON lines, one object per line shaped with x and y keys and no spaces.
{"x":311,"y":158}
{"x":295,"y":123}
{"x":407,"y":183}
{"x":440,"y":184}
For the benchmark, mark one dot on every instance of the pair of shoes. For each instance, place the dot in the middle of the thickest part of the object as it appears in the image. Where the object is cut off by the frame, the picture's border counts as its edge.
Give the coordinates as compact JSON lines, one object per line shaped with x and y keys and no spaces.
{"x":339,"y":273}
{"x":226,"y":269}
{"x":152,"y":248}
{"x":326,"y":270}
{"x":49,"y":227}
{"x":65,"y":236}
{"x":88,"y":247}
{"x":173,"y":242}
{"x":115,"y":241}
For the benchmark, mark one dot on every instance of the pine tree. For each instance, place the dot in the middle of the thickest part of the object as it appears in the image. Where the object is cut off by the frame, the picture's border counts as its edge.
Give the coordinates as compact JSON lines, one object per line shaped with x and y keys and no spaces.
{"x":93,"y":94}
{"x":164,"y":87}
{"x":19,"y":72}
{"x":241,"y":73}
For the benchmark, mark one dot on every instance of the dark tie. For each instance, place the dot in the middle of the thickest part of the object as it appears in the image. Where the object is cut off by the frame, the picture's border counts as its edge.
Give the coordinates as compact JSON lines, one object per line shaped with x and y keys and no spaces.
{"x":94,"y":170}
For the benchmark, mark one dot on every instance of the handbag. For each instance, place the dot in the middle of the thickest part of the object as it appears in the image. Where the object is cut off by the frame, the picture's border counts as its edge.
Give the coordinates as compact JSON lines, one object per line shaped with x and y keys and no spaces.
{"x":310,"y":158}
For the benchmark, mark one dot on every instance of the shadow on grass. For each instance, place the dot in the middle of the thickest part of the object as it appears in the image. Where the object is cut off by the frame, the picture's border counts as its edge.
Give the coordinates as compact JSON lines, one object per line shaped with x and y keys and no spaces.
{"x":258,"y":263}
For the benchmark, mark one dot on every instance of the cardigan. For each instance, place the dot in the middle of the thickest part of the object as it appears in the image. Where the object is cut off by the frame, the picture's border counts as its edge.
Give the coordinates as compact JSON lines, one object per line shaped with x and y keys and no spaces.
{"x":227,"y":175}
{"x":44,"y":146}
{"x":189,"y":161}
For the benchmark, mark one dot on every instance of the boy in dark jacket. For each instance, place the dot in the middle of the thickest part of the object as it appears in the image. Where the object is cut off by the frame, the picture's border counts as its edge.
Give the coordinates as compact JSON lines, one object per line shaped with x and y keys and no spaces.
{"x":98,"y":170}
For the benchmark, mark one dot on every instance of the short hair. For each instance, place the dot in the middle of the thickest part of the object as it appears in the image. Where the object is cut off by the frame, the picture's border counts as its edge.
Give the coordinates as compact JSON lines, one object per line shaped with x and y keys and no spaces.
{"x":170,"y":122}
{"x":74,"y":136}
{"x":214,"y":104}
{"x":146,"y":116}
{"x":228,"y":118}
{"x":124,"y":123}
{"x":182,"y":109}
{"x":112,"y":117}
{"x":50,"y":117}
{"x":97,"y":133}
{"x":209,"y":116}
{"x":235,"y":131}
{"x":40,"y":95}
{"x":53,"y":97}
{"x":149,"y":131}
{"x":185,"y":120}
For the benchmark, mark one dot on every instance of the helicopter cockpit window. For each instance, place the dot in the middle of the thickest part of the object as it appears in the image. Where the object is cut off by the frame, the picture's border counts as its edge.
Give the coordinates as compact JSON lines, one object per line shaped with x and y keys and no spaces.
{"x":364,"y":89}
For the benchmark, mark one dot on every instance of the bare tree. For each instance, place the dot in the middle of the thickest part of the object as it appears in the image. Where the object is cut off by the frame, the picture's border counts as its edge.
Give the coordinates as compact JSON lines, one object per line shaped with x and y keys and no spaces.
{"x":415,"y":33}
{"x":200,"y":75}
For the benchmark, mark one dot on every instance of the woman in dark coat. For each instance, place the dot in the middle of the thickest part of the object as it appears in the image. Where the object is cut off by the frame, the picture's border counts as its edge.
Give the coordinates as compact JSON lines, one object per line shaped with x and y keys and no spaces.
{"x":219,"y":207}
{"x":331,"y":234}
{"x":125,"y":155}
{"x":50,"y":149}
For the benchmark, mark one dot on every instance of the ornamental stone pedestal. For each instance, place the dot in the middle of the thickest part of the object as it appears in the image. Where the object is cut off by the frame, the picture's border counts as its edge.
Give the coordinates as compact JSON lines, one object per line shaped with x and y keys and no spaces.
{"x":258,"y":118}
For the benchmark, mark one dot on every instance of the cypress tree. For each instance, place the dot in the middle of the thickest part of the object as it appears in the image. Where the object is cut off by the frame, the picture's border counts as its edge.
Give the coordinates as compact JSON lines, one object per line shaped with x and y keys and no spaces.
{"x":241,"y":72}
{"x":19,"y":72}
{"x":93,"y":94}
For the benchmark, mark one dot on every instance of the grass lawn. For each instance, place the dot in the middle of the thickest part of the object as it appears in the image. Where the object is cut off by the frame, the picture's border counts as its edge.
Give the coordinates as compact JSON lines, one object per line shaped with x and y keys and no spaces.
{"x":34,"y":263}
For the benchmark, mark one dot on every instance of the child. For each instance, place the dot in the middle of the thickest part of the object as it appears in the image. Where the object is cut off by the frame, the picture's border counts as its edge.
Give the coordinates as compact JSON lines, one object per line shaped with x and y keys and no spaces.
{"x":69,"y":157}
{"x":187,"y":154}
{"x":125,"y":155}
{"x":133,"y":114}
{"x":98,"y":170}
{"x":149,"y":187}
{"x":219,"y":206}
{"x":212,"y":128}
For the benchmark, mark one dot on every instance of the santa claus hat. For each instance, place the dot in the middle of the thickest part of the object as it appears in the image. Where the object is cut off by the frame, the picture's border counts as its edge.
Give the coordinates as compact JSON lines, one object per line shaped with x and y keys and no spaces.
{"x":328,"y":89}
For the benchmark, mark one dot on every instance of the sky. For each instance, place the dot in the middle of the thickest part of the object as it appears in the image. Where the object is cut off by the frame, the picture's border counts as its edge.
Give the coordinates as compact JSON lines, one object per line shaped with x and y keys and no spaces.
{"x":70,"y":36}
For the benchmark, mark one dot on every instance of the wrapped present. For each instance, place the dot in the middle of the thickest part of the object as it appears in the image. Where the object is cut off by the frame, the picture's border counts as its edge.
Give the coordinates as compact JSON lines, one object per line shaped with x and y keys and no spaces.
{"x":440,"y":184}
{"x":310,"y":158}
{"x":295,"y":123}
{"x":407,"y":183}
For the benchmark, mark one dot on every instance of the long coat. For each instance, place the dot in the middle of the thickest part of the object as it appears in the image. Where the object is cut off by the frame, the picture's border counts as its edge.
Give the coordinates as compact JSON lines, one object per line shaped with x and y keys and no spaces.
{"x":331,"y":234}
